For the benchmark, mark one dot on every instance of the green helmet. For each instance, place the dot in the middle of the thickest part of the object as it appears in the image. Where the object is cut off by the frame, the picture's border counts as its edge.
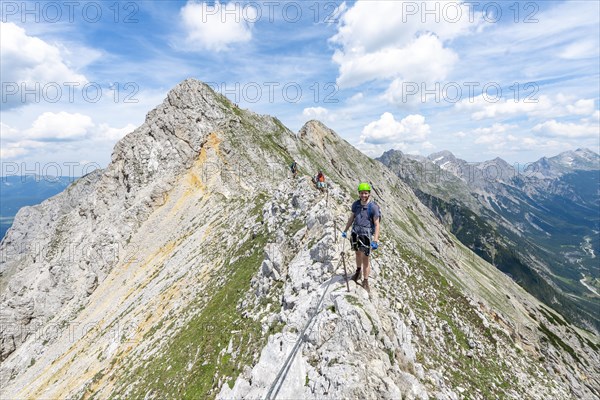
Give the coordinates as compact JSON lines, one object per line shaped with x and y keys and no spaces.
{"x":364,"y":186}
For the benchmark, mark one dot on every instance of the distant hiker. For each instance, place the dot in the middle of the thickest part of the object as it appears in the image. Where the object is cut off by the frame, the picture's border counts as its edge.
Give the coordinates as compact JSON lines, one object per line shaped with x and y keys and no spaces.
{"x":294,"y":168}
{"x":365,"y":225}
{"x":320,"y":181}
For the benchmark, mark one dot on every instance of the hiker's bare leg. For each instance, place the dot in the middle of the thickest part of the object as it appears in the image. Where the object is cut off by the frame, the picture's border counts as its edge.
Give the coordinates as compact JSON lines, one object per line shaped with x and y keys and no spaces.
{"x":366,"y":269}
{"x":358,"y":259}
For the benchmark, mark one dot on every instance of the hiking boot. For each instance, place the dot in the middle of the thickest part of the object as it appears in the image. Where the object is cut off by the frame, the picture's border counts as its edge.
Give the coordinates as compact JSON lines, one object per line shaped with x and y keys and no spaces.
{"x":356,"y":276}
{"x":365,"y":285}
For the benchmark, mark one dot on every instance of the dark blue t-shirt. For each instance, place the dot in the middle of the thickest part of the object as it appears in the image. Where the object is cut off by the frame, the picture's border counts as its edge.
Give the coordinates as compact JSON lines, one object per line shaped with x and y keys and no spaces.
{"x":363,"y":222}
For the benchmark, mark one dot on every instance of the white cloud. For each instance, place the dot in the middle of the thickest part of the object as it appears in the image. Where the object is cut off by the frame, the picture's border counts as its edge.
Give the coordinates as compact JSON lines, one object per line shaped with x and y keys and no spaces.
{"x":11,"y":152}
{"x":369,"y":26}
{"x":315,"y":112}
{"x":582,"y":49}
{"x":495,"y":136}
{"x":386,"y":40}
{"x":30,"y":60}
{"x":488,"y":139}
{"x":64,"y":126}
{"x":581,"y":107}
{"x":357,"y":98}
{"x":491,"y":137}
{"x":495,"y":129}
{"x":427,"y":145}
{"x":549,"y":136}
{"x":8,"y":132}
{"x":216,"y":27}
{"x":548,"y":146}
{"x":424,"y":59}
{"x":19,"y":148}
{"x":411,"y":129}
{"x":482,"y":107}
{"x":59,"y":126}
{"x":554,"y":128}
{"x":106,"y":132}
{"x":564,"y":30}
{"x":54,"y":129}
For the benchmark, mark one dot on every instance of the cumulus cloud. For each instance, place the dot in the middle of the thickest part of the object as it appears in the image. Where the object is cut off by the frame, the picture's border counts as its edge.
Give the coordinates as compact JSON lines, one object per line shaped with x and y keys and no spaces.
{"x":50,"y":128}
{"x":107,"y":132}
{"x":549,"y":136}
{"x":581,"y":107}
{"x":389,"y":40}
{"x":494,"y":129}
{"x":59,"y":127}
{"x":495,"y":137}
{"x":8,"y":132}
{"x":386,"y":130}
{"x":554,"y":128}
{"x":357,"y":98}
{"x":29,"y":60}
{"x":482,"y":107}
{"x":315,"y":112}
{"x":368,"y":26}
{"x":413,"y":62}
{"x":19,"y":148}
{"x":215,"y":27}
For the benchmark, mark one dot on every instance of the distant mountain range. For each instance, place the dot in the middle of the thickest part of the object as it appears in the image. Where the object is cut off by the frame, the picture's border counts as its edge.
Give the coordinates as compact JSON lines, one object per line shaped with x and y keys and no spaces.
{"x":21,"y":191}
{"x":538,"y":224}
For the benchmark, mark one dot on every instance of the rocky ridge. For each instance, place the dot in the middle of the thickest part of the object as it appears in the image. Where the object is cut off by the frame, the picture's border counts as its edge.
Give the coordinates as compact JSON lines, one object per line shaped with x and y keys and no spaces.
{"x":222,"y":261}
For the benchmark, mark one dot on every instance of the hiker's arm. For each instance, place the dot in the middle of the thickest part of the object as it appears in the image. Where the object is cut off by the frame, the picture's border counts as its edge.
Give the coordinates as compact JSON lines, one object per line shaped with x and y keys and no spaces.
{"x":350,"y":221}
{"x":376,"y":234}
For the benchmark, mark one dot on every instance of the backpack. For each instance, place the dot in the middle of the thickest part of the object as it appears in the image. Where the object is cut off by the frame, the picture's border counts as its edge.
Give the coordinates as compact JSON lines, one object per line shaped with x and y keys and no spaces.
{"x":293,"y":166}
{"x":372,"y":215}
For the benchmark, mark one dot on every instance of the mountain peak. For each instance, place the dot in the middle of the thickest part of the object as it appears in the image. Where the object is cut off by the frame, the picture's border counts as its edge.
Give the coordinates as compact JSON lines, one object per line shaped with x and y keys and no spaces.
{"x":196,"y":91}
{"x":567,"y":161}
{"x":499,"y":162}
{"x":443,"y":155}
{"x":584,"y":154}
{"x":393,"y":151}
{"x":585,"y":150}
{"x":317,"y":133}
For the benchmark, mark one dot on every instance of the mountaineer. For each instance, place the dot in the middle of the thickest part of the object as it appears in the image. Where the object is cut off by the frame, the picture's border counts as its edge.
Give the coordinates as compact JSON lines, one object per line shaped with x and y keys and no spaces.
{"x":365,"y":225}
{"x":320,"y":181}
{"x":294,"y":168}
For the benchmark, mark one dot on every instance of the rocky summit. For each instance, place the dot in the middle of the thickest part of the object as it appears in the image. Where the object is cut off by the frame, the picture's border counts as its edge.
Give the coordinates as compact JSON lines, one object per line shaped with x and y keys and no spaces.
{"x":195,"y":266}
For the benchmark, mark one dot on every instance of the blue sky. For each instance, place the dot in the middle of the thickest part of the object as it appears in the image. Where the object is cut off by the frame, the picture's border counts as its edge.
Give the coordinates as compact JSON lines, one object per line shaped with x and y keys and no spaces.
{"x":518,"y":80}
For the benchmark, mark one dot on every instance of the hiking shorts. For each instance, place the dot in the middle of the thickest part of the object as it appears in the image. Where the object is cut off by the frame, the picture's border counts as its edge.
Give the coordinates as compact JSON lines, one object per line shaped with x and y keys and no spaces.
{"x":361,"y":243}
